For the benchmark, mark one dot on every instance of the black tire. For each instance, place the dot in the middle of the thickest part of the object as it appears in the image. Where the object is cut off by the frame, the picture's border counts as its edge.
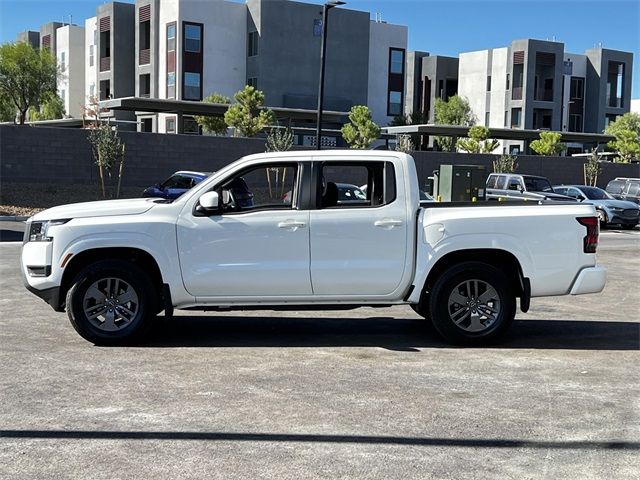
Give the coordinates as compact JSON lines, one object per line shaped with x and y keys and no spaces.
{"x":130,"y":325}
{"x":472,"y":329}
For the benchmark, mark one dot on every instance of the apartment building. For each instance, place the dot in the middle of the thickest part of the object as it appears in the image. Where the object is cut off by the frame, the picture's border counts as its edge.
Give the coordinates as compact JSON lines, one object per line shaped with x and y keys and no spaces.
{"x":30,"y":37}
{"x":70,"y":45}
{"x":534,"y":84}
{"x":48,"y":36}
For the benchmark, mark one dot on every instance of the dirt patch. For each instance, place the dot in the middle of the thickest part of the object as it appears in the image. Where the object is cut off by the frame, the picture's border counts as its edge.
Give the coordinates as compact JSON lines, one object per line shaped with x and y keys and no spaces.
{"x":30,"y":198}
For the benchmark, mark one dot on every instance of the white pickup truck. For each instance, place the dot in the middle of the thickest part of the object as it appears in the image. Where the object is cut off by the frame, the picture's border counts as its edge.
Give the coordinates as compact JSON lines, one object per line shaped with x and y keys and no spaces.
{"x":269,"y":232}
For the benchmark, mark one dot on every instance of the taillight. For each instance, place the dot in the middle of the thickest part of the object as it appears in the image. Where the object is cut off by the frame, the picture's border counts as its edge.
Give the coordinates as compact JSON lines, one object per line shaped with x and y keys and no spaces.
{"x":593,"y":230}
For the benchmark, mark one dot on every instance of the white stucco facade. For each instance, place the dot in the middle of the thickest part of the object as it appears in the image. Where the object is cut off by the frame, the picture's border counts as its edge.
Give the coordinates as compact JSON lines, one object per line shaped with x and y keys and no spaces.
{"x":382,"y":37}
{"x":224,"y":36}
{"x":90,"y":60}
{"x":70,"y":41}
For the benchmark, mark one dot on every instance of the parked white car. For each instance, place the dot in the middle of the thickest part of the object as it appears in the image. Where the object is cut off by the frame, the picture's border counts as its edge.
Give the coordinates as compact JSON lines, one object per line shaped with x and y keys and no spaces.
{"x":113,"y":265}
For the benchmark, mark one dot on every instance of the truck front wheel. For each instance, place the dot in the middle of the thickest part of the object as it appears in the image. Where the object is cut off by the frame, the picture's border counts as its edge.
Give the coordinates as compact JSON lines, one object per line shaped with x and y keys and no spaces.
{"x":472,"y":304}
{"x":111,"y":302}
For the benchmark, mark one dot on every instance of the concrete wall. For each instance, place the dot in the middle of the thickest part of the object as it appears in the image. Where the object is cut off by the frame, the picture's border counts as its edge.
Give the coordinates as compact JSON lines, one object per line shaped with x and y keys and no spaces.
{"x":63,"y":156}
{"x":473,"y":69}
{"x":382,"y":37}
{"x":288,"y":62}
{"x":225,"y":44}
{"x":70,"y":44}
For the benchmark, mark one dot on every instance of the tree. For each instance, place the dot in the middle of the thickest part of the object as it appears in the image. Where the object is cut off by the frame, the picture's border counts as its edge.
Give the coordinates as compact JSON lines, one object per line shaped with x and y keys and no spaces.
{"x":26,"y":75}
{"x":548,"y":144}
{"x":108,"y":152}
{"x":505,"y":164}
{"x":7,"y":110}
{"x":414,"y":118}
{"x":455,"y":111}
{"x":279,"y":140}
{"x":626,"y":129}
{"x":592,"y":168}
{"x":215,"y":125}
{"x":404,"y":144}
{"x":478,"y":141}
{"x":51,"y":108}
{"x":247,"y":116}
{"x":362,"y":130}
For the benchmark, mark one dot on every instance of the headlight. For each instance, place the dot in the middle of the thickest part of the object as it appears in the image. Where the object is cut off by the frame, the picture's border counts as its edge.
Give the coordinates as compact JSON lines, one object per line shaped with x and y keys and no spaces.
{"x":38,"y":231}
{"x":616,"y":209}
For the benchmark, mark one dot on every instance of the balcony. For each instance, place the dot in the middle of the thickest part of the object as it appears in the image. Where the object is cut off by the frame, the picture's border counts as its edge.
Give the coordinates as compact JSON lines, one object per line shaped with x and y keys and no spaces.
{"x":144,"y":57}
{"x":516,"y":93}
{"x":105,"y":64}
{"x":544,"y":95}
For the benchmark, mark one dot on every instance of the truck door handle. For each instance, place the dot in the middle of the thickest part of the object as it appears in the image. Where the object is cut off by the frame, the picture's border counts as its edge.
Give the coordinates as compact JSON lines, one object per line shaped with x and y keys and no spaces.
{"x":291,"y":225}
{"x":388,"y":223}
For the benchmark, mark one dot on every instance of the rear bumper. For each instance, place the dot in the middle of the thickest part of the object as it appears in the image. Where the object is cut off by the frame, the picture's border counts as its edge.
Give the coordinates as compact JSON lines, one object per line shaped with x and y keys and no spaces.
{"x":590,"y":280}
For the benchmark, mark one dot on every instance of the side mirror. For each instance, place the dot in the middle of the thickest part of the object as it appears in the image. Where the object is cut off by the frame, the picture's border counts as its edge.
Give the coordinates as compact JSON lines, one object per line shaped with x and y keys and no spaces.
{"x":210,"y":201}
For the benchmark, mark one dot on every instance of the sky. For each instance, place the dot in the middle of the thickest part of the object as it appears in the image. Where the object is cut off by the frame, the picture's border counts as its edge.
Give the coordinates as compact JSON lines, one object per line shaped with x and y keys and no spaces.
{"x":440,"y":27}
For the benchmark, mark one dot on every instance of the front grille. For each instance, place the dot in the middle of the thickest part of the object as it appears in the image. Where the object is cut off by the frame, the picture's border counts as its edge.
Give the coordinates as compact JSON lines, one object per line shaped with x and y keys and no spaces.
{"x":631,"y":213}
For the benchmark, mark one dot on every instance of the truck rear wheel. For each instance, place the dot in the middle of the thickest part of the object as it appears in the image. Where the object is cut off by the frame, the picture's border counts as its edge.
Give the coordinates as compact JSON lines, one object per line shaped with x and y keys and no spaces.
{"x":472,"y":304}
{"x":111,"y":302}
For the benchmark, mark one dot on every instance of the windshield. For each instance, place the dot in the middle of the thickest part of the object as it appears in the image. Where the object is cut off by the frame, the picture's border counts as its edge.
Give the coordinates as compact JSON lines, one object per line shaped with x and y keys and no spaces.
{"x":595,"y":193}
{"x":534,"y":184}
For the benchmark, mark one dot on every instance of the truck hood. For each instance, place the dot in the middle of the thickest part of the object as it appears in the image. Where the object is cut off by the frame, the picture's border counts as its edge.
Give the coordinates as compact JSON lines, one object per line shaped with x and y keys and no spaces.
{"x":103,"y":208}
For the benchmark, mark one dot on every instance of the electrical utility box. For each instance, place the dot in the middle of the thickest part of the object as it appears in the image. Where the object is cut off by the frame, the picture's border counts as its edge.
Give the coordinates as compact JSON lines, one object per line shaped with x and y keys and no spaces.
{"x":461,"y":183}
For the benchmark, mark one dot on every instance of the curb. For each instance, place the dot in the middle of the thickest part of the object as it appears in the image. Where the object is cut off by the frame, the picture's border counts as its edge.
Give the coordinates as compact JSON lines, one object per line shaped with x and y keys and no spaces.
{"x":14,"y":218}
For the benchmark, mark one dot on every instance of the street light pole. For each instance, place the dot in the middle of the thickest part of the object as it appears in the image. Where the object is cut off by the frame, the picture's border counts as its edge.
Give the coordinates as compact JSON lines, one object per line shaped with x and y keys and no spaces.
{"x":325,"y":16}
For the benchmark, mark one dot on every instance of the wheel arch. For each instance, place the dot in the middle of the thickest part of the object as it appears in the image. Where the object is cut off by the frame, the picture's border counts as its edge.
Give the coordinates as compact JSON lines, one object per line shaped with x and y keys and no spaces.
{"x":140,"y":257}
{"x":500,"y":259}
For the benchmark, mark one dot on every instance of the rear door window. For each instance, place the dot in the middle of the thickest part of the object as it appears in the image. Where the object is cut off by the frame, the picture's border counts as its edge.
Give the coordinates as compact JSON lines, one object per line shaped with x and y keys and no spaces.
{"x":350,"y":185}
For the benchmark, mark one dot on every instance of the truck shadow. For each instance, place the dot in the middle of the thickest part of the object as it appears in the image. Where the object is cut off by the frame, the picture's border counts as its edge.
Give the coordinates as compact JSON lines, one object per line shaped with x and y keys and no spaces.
{"x":407,"y":335}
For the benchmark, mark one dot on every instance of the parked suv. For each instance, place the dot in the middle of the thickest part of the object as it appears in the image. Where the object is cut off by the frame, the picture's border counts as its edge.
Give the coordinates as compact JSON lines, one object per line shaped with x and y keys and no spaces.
{"x":624,"y":188}
{"x":509,"y":186}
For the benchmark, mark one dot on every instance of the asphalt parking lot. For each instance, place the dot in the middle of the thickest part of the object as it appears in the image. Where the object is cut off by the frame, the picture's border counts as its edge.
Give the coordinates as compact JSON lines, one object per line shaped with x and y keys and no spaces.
{"x":369,"y":393}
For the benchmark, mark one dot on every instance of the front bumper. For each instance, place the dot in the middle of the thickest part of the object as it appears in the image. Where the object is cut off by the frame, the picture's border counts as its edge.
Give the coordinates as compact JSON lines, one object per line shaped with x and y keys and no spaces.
{"x":590,"y":280}
{"x":49,"y":295}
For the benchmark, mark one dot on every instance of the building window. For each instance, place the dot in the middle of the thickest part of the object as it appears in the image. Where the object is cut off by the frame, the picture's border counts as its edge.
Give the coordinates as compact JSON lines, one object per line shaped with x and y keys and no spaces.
{"x":577,"y":88}
{"x":145,"y":85}
{"x":192,"y":37}
{"x":575,"y":123}
{"x":508,"y":86}
{"x":105,"y":90}
{"x":615,"y":78}
{"x":516,"y":114}
{"x":506,"y":118}
{"x":190,"y":126}
{"x":92,"y":91}
{"x":62,"y":95}
{"x":394,"y":107}
{"x":91,"y":55}
{"x":252,"y":82}
{"x":146,"y":125}
{"x":252,"y":44}
{"x":488,"y":83}
{"x":486,"y":119}
{"x":170,"y":125}
{"x":171,"y":85}
{"x":191,"y":86}
{"x":396,"y":61}
{"x":63,"y":65}
{"x":171,"y":37}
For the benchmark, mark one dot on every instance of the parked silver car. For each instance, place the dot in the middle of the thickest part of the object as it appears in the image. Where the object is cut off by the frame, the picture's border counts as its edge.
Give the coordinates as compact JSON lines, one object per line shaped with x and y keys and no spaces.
{"x":609,"y":210}
{"x":511,"y":186}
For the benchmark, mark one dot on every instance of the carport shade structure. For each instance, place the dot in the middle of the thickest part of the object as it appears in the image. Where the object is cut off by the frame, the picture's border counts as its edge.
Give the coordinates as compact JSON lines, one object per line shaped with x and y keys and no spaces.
{"x":456,"y":131}
{"x":182,"y":107}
